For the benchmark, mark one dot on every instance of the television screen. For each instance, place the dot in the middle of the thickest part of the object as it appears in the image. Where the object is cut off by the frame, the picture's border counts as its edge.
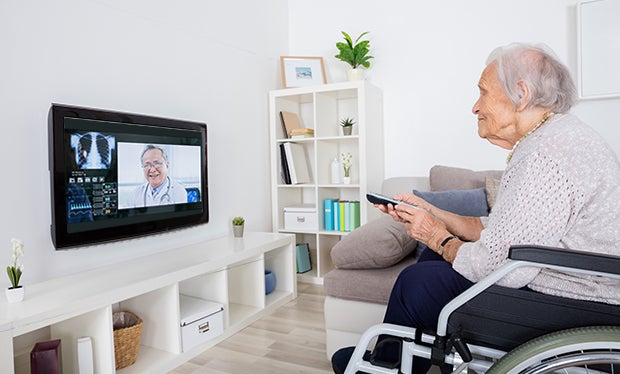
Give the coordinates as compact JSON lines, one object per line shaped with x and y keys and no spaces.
{"x":119,"y":175}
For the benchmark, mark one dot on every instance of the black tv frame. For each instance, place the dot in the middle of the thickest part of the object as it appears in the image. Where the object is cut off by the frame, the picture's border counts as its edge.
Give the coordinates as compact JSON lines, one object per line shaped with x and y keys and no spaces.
{"x":155,"y":221}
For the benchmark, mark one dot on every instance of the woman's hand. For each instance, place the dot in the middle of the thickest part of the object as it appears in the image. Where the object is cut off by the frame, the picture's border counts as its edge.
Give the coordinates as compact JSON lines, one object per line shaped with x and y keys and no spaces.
{"x":421,"y":224}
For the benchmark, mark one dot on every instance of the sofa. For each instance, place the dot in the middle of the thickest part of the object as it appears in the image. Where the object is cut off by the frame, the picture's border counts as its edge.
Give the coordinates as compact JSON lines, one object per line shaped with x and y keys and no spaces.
{"x":369,"y":259}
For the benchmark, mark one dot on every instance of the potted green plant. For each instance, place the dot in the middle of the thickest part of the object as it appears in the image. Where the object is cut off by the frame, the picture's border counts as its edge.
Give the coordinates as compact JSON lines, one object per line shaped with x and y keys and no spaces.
{"x":347,"y":162}
{"x":15,"y":293}
{"x":238,"y":224}
{"x":347,"y":125}
{"x":354,"y":54}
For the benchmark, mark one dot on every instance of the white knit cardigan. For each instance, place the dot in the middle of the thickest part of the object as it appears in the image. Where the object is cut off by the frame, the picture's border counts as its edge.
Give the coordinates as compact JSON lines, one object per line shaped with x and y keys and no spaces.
{"x":561,"y":188}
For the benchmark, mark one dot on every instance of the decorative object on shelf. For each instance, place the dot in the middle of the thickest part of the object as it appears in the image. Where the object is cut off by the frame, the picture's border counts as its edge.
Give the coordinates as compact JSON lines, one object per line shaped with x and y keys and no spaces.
{"x":301,"y":71}
{"x":354,"y":54}
{"x":347,"y":161}
{"x":270,"y":281}
{"x":45,"y":357}
{"x":15,"y":293}
{"x":347,"y":125}
{"x":127,"y":334}
{"x":335,"y":170}
{"x":238,"y":224}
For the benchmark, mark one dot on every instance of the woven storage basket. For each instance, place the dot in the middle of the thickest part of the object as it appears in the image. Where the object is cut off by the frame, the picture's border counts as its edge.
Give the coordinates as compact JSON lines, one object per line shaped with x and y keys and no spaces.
{"x":127,"y":334}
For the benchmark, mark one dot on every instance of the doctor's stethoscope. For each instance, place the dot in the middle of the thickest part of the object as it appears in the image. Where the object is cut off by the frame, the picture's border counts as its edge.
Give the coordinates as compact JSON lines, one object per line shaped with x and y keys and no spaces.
{"x":165,"y":198}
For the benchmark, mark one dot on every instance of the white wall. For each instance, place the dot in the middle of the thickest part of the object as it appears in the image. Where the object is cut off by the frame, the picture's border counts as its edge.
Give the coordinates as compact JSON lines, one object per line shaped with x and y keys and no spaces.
{"x":214,"y":61}
{"x":428,"y":58}
{"x":209,"y":61}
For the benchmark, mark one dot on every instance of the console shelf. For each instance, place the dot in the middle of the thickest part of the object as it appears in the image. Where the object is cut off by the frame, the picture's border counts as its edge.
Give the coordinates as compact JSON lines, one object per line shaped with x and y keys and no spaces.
{"x":228,"y":270}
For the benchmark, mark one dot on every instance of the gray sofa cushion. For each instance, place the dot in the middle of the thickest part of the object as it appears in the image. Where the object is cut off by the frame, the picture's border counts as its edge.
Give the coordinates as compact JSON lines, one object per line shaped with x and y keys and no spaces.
{"x":379,"y":243}
{"x":370,"y":285}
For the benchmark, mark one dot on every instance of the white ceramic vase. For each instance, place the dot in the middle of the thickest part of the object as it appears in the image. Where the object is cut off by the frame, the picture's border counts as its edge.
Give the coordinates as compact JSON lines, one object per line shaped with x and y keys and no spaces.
{"x":15,"y":295}
{"x":346,"y":180}
{"x":355,"y":74}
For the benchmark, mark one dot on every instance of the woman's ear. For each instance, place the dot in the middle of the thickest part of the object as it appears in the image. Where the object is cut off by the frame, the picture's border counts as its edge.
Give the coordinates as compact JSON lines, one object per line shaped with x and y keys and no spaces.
{"x":524,"y":95}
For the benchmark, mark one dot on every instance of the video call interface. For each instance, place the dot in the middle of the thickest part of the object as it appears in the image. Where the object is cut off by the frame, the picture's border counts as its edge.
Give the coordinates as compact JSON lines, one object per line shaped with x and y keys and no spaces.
{"x":105,"y":170}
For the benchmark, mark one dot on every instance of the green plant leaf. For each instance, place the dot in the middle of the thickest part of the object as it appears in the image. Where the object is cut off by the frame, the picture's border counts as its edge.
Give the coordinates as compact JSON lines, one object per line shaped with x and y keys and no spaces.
{"x":13,"y":277}
{"x":355,"y":54}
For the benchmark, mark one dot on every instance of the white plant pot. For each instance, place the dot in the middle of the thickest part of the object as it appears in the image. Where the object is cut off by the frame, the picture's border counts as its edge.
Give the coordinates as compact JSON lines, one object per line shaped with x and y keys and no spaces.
{"x":355,"y":75}
{"x":347,"y":180}
{"x":238,"y":231}
{"x":15,"y":295}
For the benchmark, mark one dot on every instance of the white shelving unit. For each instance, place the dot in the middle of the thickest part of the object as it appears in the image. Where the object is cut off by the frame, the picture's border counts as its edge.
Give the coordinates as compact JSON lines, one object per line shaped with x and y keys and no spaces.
{"x":321,"y":108}
{"x":229,"y":271}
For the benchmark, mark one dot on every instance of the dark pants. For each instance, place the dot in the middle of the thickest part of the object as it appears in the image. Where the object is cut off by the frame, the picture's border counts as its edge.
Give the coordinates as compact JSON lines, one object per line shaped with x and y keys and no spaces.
{"x":419,"y":294}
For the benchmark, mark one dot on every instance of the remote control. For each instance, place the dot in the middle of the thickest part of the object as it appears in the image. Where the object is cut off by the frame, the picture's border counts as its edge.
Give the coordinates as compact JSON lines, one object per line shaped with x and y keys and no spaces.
{"x":376,"y":198}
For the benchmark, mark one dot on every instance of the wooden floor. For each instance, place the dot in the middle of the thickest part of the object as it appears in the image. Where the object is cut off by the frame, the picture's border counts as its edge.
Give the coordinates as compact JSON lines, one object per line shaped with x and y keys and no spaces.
{"x":290,"y":340}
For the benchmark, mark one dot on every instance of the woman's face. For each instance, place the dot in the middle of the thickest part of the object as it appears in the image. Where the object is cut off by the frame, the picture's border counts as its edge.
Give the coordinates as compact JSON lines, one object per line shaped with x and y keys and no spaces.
{"x":497,"y":114}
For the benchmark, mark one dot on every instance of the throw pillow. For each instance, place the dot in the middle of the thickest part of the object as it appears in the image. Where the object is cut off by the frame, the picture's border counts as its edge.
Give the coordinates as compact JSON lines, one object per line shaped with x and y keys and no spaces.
{"x":380,"y":243}
{"x":442,"y":178}
{"x":471,"y":203}
{"x":464,"y":202}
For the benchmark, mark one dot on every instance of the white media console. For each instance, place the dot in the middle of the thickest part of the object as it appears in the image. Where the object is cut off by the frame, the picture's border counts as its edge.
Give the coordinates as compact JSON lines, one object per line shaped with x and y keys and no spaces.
{"x":229,"y":271}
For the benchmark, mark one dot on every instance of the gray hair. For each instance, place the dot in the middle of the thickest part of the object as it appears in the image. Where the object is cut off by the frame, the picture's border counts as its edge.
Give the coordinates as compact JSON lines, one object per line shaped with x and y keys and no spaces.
{"x":548,"y":80}
{"x":151,"y":146}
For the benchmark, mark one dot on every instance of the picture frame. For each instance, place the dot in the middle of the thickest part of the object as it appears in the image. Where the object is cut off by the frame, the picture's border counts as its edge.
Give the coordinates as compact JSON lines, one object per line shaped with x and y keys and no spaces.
{"x":302,"y":71}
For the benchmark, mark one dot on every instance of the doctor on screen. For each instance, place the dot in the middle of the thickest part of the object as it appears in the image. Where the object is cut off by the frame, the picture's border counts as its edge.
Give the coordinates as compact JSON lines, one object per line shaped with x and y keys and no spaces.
{"x":159,"y":188}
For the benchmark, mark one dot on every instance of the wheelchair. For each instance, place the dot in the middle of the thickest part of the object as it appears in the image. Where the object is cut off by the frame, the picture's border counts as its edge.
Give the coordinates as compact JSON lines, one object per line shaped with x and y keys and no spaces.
{"x":496,"y":330}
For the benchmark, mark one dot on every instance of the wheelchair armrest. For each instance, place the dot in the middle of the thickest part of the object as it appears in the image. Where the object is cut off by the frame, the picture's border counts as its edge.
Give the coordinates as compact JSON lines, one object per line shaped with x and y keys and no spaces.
{"x":566,"y":257}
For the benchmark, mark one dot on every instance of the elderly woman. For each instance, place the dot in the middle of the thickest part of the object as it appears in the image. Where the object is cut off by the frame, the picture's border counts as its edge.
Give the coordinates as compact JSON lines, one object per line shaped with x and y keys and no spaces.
{"x":561,"y":188}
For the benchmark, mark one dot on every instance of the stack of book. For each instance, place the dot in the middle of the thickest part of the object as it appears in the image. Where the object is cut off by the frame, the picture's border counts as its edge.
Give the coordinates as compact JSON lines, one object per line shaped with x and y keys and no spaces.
{"x":341,"y":215}
{"x":301,"y":133}
{"x":294,"y":164}
{"x":292,"y":127}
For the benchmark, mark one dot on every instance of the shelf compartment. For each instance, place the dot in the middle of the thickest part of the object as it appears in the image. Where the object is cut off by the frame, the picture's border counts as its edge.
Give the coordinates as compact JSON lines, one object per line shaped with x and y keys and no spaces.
{"x":159,"y":311}
{"x":96,"y":324}
{"x":246,"y":290}
{"x":280,"y":261}
{"x":326,"y":243}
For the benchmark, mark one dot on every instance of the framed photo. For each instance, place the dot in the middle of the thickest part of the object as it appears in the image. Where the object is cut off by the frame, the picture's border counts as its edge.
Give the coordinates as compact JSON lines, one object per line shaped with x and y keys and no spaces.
{"x":301,"y":71}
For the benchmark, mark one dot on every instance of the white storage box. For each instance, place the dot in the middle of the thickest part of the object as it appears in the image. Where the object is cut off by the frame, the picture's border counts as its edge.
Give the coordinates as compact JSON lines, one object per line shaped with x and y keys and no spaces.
{"x":301,"y":217}
{"x":201,"y":320}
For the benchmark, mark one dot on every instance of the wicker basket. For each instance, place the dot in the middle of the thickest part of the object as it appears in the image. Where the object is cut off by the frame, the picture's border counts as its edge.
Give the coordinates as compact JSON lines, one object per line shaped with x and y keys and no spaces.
{"x":127,"y":333}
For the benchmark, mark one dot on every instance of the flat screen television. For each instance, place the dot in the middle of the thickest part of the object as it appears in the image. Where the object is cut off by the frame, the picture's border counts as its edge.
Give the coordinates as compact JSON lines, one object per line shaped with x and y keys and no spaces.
{"x":120,"y":175}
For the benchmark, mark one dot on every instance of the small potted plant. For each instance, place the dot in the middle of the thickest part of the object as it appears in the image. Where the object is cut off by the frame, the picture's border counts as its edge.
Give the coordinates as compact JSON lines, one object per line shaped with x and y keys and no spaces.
{"x":15,"y":293}
{"x":347,"y":161}
{"x":347,"y":125}
{"x":238,"y":223}
{"x":354,"y":54}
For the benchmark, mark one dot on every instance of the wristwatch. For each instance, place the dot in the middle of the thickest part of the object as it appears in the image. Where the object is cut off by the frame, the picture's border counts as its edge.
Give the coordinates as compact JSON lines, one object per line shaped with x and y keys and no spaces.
{"x":443,"y":244}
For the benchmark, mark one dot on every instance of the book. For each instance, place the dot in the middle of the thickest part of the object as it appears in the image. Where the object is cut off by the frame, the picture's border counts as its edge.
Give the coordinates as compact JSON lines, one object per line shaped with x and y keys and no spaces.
{"x":341,"y":216}
{"x":290,"y":121}
{"x":347,"y":216}
{"x":355,"y":215}
{"x":302,"y":256}
{"x":336,"y":214}
{"x":284,"y":172}
{"x":301,"y":133}
{"x":328,"y":205}
{"x":297,"y":163}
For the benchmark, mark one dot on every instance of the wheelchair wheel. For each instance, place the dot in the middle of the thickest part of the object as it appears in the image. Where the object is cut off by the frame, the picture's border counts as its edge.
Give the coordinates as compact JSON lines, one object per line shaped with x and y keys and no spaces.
{"x":580,"y":350}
